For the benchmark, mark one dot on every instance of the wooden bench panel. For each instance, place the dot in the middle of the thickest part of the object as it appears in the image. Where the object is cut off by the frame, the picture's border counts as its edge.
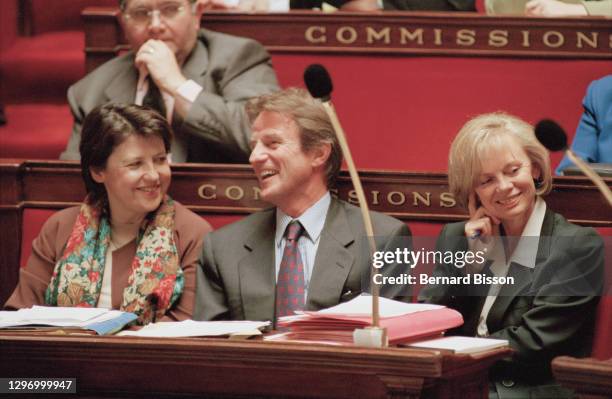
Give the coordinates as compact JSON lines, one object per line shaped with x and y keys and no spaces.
{"x":406,"y":82}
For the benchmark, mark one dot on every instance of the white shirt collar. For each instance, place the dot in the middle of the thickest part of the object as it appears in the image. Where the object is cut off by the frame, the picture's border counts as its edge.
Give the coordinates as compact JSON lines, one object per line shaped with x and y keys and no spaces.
{"x":312,"y":219}
{"x":527,"y":248}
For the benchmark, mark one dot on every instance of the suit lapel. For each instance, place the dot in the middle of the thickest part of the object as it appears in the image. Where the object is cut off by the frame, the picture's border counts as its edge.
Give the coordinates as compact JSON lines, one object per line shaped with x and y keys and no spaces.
{"x":197,"y":64}
{"x":194,"y":69}
{"x":523,"y":276}
{"x":119,"y":88}
{"x":333,"y":260}
{"x":257,"y":272}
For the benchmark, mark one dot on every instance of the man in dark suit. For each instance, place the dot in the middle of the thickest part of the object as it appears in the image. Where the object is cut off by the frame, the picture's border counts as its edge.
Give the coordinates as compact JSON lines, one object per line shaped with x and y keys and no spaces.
{"x":197,"y":78}
{"x":296,"y":157}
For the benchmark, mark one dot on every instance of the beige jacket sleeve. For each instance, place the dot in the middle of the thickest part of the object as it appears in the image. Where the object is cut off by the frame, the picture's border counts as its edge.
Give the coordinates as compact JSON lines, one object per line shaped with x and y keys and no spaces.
{"x":598,"y":7}
{"x":517,"y":7}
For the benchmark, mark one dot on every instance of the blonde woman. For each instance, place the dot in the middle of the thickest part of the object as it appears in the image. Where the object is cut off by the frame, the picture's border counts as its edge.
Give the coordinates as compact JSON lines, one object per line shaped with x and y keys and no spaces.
{"x":544,"y":272}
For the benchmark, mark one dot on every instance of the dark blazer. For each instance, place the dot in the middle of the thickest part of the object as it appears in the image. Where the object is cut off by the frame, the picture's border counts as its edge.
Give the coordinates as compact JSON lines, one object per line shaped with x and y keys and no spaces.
{"x":230,"y":69}
{"x":549,"y":311}
{"x":236,"y":278}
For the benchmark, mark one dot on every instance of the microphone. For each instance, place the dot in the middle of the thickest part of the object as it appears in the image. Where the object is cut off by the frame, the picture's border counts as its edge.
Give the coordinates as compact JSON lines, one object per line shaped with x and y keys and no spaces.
{"x":153,"y":301}
{"x":553,"y":137}
{"x":319,"y":84}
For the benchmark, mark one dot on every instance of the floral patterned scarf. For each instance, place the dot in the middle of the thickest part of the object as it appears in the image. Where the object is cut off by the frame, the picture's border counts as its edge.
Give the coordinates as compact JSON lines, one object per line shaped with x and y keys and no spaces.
{"x":155,"y":270}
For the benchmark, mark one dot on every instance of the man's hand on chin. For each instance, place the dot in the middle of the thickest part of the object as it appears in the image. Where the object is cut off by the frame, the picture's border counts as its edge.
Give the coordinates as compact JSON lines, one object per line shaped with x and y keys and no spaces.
{"x":161,"y":64}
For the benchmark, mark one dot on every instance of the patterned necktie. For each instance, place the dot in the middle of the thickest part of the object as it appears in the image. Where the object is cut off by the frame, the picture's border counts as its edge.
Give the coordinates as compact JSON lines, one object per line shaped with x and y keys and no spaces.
{"x":290,"y":282}
{"x":154,"y":99}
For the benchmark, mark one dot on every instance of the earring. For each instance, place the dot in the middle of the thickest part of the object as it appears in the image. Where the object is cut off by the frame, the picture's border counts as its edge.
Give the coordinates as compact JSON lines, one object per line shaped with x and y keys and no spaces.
{"x":538,"y":183}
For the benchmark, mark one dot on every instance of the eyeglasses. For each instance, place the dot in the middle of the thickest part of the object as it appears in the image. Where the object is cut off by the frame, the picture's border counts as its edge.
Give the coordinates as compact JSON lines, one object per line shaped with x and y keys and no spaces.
{"x":142,"y":16}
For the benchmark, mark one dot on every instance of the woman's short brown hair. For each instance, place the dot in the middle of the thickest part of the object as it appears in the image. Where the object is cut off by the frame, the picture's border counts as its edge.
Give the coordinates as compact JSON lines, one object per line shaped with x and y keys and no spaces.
{"x":467,"y":149}
{"x":310,"y":117}
{"x":107,"y":126}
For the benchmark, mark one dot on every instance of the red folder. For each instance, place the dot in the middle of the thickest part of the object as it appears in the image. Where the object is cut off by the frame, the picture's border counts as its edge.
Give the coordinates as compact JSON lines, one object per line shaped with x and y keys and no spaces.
{"x":314,"y":326}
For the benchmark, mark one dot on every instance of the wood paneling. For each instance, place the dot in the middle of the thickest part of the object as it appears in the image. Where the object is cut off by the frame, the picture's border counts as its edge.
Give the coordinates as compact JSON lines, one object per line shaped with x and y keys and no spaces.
{"x":590,"y":378}
{"x":130,"y":367}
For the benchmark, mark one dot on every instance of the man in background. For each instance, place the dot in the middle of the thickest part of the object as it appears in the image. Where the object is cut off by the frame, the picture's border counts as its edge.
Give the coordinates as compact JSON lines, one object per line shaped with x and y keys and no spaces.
{"x":593,"y":139}
{"x":197,"y":78}
{"x":355,"y":5}
{"x":309,"y":251}
{"x":550,"y":8}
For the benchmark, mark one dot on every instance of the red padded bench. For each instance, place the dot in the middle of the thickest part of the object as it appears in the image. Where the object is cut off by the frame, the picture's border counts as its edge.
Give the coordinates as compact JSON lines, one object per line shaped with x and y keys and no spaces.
{"x":36,"y":69}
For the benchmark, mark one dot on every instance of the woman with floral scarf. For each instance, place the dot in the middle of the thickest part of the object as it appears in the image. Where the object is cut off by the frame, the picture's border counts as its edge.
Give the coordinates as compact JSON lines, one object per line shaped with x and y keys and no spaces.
{"x":129,"y":246}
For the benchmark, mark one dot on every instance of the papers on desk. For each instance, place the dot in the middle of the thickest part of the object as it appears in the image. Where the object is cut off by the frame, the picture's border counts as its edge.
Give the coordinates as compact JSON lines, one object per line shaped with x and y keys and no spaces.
{"x":462,"y":344}
{"x":362,"y":306}
{"x":190,"y":328}
{"x":95,"y":320}
{"x":404,"y":322}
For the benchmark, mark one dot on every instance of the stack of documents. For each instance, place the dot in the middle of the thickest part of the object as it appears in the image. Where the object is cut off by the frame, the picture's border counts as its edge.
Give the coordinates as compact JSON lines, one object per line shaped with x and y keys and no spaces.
{"x":465,"y":345}
{"x":405,"y":322}
{"x":68,"y":319}
{"x":190,"y":328}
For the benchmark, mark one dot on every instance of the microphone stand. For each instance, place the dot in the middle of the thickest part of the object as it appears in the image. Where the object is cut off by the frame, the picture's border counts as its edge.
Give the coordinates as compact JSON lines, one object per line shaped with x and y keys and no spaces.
{"x":590,"y":173}
{"x":373,"y":336}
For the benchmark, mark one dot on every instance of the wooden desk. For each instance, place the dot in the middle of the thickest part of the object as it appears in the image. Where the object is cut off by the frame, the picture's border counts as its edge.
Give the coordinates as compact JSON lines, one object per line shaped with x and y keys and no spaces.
{"x":419,"y":198}
{"x":590,"y":378}
{"x":130,"y":367}
{"x":405,"y":82}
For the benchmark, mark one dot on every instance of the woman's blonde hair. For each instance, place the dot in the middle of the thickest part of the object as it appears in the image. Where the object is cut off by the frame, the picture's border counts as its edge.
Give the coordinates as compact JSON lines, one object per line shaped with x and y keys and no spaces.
{"x":478,"y":134}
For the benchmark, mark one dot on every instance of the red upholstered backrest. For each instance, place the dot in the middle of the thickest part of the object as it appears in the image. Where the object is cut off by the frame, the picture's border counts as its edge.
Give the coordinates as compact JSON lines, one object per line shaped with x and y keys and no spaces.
{"x":602,"y":344}
{"x":8,"y":23}
{"x":61,"y":15}
{"x":33,"y":220}
{"x":402,"y":113}
{"x":480,"y":6}
{"x":219,"y":220}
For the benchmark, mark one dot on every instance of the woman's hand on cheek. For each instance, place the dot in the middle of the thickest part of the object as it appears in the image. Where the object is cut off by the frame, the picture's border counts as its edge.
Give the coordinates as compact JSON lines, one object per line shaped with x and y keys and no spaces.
{"x":482,"y":228}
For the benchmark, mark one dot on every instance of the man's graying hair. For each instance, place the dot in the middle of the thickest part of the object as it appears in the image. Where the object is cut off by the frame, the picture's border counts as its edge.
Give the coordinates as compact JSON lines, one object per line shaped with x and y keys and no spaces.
{"x":122,"y":3}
